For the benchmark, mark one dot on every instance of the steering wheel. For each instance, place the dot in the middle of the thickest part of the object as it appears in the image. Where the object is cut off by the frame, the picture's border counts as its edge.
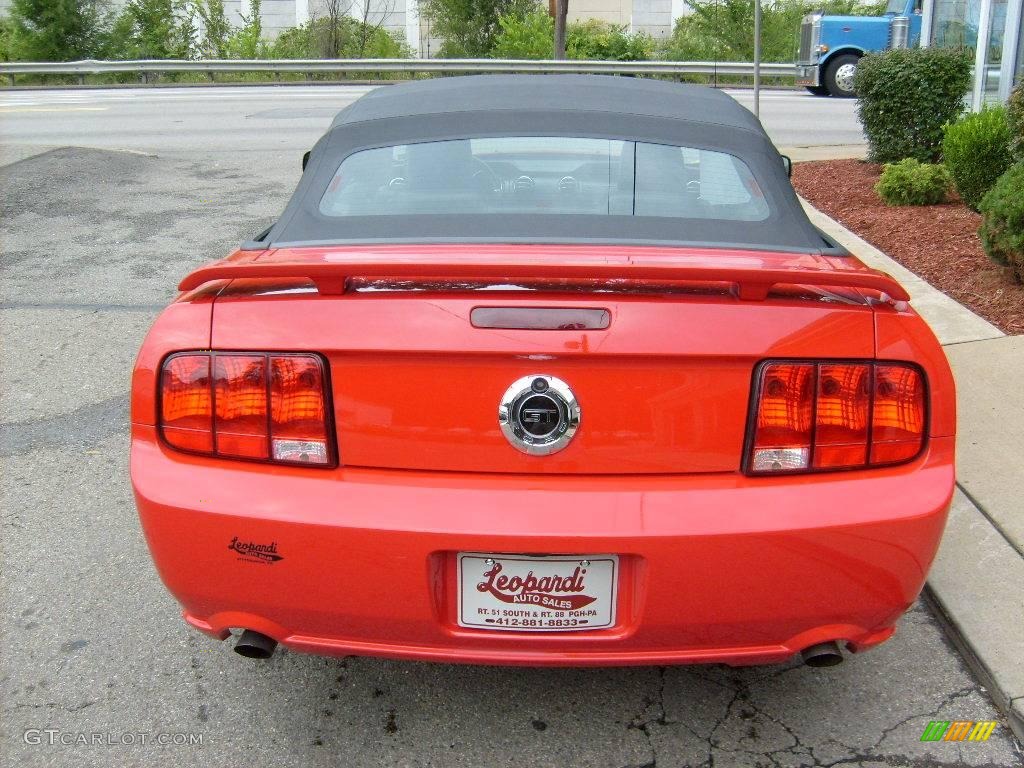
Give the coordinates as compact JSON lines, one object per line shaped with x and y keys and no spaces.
{"x":485,"y":176}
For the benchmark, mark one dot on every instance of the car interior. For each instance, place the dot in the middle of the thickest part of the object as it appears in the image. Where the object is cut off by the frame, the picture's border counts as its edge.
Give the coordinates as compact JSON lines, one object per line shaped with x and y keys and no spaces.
{"x":544,"y":175}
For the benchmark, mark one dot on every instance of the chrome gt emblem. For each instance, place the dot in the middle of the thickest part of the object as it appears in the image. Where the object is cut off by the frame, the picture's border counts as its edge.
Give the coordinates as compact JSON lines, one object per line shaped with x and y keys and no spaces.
{"x":539,"y":414}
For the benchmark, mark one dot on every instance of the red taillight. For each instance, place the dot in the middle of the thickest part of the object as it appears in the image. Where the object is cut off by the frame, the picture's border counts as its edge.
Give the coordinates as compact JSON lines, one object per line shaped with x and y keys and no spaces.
{"x":186,"y":414}
{"x":298,"y":428}
{"x":835,"y":415}
{"x":240,"y":395}
{"x":249,"y":405}
{"x":897,"y":415}
{"x":783,"y":433}
{"x":842,"y":412}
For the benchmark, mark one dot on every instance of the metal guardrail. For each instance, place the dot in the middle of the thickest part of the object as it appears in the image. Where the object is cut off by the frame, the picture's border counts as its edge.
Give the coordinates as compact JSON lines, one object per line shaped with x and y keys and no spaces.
{"x":348,"y":66}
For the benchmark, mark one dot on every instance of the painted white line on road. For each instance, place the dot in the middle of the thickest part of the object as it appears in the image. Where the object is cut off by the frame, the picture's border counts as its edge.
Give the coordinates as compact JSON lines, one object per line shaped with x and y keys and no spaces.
{"x":205,"y":95}
{"x":6,"y":110}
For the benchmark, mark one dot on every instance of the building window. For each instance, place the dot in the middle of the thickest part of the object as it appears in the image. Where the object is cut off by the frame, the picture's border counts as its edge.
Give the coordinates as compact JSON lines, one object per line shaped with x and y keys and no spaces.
{"x":956,"y":23}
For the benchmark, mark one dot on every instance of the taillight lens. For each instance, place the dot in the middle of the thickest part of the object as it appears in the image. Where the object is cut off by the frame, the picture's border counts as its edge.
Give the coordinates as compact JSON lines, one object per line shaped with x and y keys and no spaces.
{"x":897,"y":415}
{"x":186,"y":413}
{"x":247,"y":405}
{"x":298,"y":425}
{"x":783,"y":434}
{"x":816,"y":416}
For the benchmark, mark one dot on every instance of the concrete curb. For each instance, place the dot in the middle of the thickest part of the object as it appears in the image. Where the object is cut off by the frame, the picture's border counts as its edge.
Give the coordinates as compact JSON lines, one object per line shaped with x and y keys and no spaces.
{"x":802,"y":153}
{"x":976,"y":583}
{"x":970,"y":588}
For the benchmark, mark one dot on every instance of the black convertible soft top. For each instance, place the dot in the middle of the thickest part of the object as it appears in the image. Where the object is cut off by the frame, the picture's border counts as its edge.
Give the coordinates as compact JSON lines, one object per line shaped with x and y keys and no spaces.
{"x":584,"y":106}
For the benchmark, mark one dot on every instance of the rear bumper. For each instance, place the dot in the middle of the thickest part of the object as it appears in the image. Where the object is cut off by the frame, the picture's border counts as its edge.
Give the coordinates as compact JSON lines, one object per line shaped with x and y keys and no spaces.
{"x":808,"y":74}
{"x":715,"y":568}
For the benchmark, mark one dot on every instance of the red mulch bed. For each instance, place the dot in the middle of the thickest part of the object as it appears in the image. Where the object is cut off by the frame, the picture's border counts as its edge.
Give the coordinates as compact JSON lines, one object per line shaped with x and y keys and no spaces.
{"x":938,"y":242}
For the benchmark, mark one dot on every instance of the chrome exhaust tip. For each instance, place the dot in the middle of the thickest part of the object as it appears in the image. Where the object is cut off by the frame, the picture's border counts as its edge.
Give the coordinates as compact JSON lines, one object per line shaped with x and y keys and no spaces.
{"x":823,"y":655}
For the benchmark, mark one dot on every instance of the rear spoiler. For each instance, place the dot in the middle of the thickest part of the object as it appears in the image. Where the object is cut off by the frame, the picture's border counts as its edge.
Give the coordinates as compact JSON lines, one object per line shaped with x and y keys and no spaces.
{"x":753,"y":273}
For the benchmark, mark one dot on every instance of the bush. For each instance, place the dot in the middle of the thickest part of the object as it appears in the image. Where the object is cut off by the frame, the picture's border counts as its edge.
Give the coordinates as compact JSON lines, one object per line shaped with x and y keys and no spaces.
{"x":906,"y":95}
{"x":343,"y":38}
{"x":1002,"y":224}
{"x":600,"y":41}
{"x":6,"y":33}
{"x":247,"y":42}
{"x":525,"y":37}
{"x":152,"y":29}
{"x":471,"y":27}
{"x":976,"y":150}
{"x":1015,"y":118}
{"x":909,"y":182}
{"x":216,"y":29}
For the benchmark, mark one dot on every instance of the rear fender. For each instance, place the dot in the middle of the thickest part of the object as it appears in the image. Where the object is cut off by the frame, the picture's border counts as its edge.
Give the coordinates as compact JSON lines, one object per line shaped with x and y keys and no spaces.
{"x":185,"y":324}
{"x":903,"y":335}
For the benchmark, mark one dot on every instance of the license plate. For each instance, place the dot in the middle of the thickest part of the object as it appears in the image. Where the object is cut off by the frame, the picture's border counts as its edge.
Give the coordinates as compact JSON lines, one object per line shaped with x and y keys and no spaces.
{"x":537,"y":594}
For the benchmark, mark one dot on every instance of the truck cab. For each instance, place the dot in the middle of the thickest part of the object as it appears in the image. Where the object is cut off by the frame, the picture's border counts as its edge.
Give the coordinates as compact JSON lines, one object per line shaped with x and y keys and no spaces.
{"x":831,"y":46}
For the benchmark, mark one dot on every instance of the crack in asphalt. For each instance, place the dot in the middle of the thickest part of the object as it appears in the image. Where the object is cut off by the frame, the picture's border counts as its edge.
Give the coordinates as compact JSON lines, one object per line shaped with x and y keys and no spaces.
{"x":742,"y":705}
{"x":638,"y":723}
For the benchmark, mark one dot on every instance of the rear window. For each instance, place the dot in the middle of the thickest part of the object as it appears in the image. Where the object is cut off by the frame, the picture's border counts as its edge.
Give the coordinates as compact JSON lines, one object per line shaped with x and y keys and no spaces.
{"x":544,"y":175}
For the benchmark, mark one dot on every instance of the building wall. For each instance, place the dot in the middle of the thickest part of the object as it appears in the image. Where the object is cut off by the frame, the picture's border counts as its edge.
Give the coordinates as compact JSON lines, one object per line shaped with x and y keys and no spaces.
{"x":612,"y":11}
{"x":653,"y":17}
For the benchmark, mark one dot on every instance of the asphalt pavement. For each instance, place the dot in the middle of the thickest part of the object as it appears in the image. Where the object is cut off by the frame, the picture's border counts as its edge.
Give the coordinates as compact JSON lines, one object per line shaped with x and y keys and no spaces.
{"x":93,"y":242}
{"x":237,"y":119}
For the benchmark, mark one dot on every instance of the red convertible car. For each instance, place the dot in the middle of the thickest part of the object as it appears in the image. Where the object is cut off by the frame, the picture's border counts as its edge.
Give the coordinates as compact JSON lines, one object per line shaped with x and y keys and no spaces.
{"x":546,"y":371}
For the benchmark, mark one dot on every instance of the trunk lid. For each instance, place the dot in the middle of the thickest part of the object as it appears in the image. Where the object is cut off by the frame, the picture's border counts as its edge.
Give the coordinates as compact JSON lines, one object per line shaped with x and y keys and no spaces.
{"x":661,"y":369}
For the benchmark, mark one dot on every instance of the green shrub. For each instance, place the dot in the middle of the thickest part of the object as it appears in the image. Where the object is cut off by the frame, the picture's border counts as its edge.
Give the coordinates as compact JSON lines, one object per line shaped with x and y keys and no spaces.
{"x":1015,"y":118}
{"x":342,"y":38}
{"x":906,"y":95}
{"x":1002,"y":224}
{"x":152,"y":29}
{"x":216,"y":29}
{"x":909,"y":182}
{"x":6,"y":33}
{"x":597,"y":40}
{"x":976,"y":150}
{"x":530,"y":36}
{"x":470,"y":28}
{"x":247,"y":42}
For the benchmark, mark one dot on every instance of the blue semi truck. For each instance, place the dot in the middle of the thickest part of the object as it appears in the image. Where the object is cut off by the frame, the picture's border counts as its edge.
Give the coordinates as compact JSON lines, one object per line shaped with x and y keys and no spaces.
{"x":831,"y":46}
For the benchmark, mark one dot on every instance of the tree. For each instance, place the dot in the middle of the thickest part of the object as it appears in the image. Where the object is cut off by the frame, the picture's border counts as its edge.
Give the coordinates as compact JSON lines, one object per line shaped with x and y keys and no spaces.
{"x":332,"y":27}
{"x":334,"y":33}
{"x":153,"y":29}
{"x":471,"y":27}
{"x":56,"y":30}
{"x":247,"y":41}
{"x":527,"y":37}
{"x":561,"y":12}
{"x":217,"y":29}
{"x":368,"y":31}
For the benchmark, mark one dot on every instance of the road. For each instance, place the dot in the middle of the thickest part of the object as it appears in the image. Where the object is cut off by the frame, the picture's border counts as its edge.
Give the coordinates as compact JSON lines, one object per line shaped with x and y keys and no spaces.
{"x":94,"y":238}
{"x":293,"y":117}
